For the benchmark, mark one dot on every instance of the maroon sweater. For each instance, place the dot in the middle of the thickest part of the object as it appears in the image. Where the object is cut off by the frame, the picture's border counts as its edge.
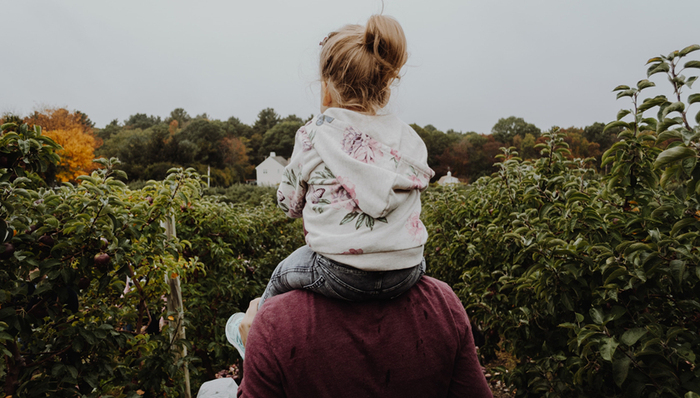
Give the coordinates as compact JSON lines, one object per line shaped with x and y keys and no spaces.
{"x":418,"y":345}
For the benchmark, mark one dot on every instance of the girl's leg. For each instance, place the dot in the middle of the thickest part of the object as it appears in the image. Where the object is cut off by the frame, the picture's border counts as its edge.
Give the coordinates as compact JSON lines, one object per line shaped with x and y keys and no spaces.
{"x":294,"y":272}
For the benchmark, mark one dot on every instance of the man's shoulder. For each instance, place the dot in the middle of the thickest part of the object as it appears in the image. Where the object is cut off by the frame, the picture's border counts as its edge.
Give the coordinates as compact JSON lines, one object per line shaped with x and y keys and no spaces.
{"x":432,"y":283}
{"x":427,"y":289}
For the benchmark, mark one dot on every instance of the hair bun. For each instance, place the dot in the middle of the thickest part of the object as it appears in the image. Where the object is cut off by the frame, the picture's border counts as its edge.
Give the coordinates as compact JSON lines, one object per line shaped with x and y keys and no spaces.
{"x":384,"y":38}
{"x":359,"y":63}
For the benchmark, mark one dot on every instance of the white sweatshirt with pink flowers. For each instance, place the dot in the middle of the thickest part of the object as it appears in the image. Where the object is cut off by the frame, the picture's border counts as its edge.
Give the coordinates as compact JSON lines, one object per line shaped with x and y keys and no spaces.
{"x":356,"y":180}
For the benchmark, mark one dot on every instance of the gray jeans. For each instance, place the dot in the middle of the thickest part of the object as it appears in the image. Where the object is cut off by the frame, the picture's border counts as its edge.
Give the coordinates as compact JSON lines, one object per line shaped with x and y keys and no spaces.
{"x":306,"y":269}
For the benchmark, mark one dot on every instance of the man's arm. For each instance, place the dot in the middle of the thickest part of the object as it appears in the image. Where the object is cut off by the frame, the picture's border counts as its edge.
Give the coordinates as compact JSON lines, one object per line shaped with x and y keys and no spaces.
{"x":468,"y":378}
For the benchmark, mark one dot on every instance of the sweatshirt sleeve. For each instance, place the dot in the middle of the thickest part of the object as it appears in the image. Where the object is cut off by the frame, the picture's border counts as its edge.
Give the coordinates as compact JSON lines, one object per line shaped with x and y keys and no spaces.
{"x":291,"y":194}
{"x":468,"y":377}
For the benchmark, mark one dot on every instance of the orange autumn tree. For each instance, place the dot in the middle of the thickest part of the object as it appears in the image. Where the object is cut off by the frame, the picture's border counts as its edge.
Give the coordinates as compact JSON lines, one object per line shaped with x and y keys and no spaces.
{"x":74,"y":132}
{"x":236,"y":156}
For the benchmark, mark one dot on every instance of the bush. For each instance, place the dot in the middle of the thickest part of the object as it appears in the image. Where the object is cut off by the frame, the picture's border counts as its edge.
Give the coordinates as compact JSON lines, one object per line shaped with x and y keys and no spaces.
{"x":252,"y":195}
{"x":69,"y":325}
{"x":592,"y":286}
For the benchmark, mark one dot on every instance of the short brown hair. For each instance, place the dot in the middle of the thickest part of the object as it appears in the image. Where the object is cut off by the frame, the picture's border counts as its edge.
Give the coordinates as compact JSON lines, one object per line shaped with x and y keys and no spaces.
{"x":359,"y":63}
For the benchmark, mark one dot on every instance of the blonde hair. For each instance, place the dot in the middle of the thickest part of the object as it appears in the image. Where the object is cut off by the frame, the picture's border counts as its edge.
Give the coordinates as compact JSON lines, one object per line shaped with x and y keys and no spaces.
{"x":359,"y":63}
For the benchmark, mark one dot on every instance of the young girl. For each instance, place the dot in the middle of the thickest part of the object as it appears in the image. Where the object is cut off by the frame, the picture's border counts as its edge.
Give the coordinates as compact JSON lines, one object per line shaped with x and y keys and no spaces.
{"x":355,"y":177}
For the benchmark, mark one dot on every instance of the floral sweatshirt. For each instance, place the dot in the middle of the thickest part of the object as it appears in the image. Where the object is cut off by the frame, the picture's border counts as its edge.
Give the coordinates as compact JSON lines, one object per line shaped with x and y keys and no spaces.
{"x":356,"y":180}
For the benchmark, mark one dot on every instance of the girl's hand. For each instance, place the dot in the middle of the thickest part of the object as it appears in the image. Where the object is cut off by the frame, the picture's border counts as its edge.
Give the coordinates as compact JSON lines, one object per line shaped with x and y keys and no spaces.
{"x":247,"y":321}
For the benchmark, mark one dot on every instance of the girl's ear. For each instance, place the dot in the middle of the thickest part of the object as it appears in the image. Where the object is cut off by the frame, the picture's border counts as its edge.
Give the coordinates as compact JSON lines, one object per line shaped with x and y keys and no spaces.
{"x":326,"y":99}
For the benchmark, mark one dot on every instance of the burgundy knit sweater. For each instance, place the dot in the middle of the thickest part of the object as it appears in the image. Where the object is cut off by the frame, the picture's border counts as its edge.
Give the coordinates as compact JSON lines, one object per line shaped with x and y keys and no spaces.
{"x":418,"y":345}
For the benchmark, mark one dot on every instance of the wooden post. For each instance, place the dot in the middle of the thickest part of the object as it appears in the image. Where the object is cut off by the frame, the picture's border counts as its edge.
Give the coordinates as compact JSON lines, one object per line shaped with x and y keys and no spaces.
{"x":175,"y":305}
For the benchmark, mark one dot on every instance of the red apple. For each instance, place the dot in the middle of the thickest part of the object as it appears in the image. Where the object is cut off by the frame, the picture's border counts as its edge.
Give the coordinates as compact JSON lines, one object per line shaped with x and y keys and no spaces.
{"x":102,"y":260}
{"x":47,"y":240}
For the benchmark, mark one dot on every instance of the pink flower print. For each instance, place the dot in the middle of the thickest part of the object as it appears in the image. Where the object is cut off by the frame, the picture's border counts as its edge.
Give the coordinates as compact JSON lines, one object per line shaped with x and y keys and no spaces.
{"x":360,"y":146}
{"x":415,"y":227}
{"x":280,"y":197}
{"x":305,"y":140}
{"x":395,"y":155}
{"x":353,"y":251}
{"x":417,"y":183}
{"x":343,"y":195}
{"x":296,"y":206}
{"x":316,"y":195}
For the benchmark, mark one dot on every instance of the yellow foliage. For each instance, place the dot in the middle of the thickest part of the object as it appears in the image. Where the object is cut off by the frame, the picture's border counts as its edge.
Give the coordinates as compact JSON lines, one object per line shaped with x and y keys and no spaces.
{"x":59,"y":119}
{"x":77,"y":153}
{"x":73,"y":131}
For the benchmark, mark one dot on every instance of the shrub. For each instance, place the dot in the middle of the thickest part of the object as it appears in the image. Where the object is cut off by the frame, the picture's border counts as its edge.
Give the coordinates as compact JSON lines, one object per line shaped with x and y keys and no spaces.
{"x":69,"y":325}
{"x":591,"y":285}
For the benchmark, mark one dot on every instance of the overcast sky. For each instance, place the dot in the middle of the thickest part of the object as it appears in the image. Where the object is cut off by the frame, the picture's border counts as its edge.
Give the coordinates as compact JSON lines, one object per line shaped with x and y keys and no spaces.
{"x":552,"y":62}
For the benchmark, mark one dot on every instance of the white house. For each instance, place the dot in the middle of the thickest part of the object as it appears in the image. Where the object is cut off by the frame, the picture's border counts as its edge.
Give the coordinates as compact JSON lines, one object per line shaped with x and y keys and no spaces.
{"x":448,"y":179}
{"x":269,"y":172}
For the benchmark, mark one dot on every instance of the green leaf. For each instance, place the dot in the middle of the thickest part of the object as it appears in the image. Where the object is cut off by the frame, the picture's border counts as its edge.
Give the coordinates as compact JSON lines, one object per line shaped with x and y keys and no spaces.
{"x":672,"y":155}
{"x":642,"y":84}
{"x":621,"y":367}
{"x":615,"y":274}
{"x":693,"y":98}
{"x":677,"y":270}
{"x":626,"y":93}
{"x":682,"y":224}
{"x":690,"y":81}
{"x":666,"y":123}
{"x":623,"y":113}
{"x":608,"y":349}
{"x":692,"y":64}
{"x":583,"y":335}
{"x":596,"y":315}
{"x":651,"y":102}
{"x":632,"y":336}
{"x":566,"y":301}
{"x":674,"y":107}
{"x":579,"y":317}
{"x":688,"y":50}
{"x":691,"y":394}
{"x":24,"y":146}
{"x":621,"y":87}
{"x":668,"y":135}
{"x":655,"y":59}
{"x":618,"y":123}
{"x":657,"y":68}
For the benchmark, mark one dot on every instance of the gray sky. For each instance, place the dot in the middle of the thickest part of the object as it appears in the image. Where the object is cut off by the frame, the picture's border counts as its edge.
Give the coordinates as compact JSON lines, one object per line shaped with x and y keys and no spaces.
{"x":552,"y":62}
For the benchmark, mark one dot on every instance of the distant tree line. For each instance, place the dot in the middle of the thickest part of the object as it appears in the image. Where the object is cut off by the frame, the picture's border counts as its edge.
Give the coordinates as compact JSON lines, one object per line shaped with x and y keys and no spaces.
{"x":471,"y":155}
{"x":148,"y":145}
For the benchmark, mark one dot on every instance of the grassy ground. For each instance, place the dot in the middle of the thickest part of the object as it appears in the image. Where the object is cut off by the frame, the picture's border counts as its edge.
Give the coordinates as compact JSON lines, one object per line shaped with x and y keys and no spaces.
{"x":493,"y":369}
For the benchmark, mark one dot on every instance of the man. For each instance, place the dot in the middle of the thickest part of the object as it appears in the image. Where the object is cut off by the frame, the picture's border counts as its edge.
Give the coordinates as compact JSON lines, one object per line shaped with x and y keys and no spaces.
{"x":417,"y":345}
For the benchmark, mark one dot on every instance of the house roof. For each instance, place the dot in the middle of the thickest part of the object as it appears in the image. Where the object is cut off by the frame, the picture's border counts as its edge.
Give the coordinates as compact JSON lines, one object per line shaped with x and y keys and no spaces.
{"x":279,"y":159}
{"x":448,"y":179}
